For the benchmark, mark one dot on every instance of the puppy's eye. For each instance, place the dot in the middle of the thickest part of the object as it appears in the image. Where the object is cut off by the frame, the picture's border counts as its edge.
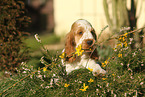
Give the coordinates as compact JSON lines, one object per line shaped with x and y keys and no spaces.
{"x":80,"y":33}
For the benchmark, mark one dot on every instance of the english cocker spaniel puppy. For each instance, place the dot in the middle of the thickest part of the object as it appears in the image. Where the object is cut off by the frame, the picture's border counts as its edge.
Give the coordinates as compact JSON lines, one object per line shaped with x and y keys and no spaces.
{"x":80,"y":50}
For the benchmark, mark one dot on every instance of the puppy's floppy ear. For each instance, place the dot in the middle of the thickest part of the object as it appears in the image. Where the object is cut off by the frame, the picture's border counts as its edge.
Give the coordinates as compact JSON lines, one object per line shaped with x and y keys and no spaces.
{"x":70,"y":47}
{"x":94,"y":54}
{"x":94,"y":34}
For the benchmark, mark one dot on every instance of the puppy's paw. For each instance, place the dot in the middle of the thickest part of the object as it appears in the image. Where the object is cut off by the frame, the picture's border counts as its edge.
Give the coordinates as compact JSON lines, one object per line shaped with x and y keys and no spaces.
{"x":101,"y":72}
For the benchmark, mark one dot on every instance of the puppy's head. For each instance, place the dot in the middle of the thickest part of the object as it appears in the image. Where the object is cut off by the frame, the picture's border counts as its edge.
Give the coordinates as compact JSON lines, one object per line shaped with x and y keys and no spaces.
{"x":82,"y":33}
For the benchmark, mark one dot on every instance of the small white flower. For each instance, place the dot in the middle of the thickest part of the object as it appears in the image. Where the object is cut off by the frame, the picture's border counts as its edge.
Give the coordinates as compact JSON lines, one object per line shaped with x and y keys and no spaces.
{"x":42,"y":60}
{"x":104,"y":92}
{"x":124,"y":29}
{"x":7,"y":72}
{"x":37,"y":38}
{"x":126,"y":48}
{"x":111,"y":91}
{"x":24,"y":72}
{"x":129,"y":42}
{"x":131,"y":39}
{"x":31,"y":76}
{"x":142,"y":64}
{"x":99,"y":86}
{"x":115,"y":50}
{"x":118,"y":76}
{"x":47,"y":87}
{"x":54,"y":74}
{"x":125,"y":55}
{"x":44,"y":76}
{"x":23,"y":63}
{"x":122,"y":64}
{"x":131,"y":77}
{"x":42,"y":86}
{"x":39,"y":76}
{"x":128,"y":65}
{"x":108,"y":90}
{"x":142,"y":36}
{"x":141,"y":83}
{"x":27,"y":69}
{"x":107,"y":84}
{"x":134,"y":54}
{"x":80,"y":82}
{"x":125,"y":94}
{"x":130,"y":70}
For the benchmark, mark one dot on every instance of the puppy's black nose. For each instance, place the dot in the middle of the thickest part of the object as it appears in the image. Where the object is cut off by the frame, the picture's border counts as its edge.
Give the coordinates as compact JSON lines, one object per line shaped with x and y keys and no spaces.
{"x":89,"y":42}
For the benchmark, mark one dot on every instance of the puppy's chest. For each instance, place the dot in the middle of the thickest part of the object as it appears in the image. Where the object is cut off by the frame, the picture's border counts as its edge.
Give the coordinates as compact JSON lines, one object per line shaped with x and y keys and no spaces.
{"x":83,"y":60}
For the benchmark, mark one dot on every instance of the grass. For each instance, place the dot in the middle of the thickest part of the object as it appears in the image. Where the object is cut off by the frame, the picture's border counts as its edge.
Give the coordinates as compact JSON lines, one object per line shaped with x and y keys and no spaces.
{"x":125,"y":76}
{"x":35,"y":47}
{"x":46,"y":39}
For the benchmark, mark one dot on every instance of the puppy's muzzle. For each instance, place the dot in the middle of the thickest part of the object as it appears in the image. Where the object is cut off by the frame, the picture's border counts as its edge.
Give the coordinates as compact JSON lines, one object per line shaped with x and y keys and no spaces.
{"x":88,"y":43}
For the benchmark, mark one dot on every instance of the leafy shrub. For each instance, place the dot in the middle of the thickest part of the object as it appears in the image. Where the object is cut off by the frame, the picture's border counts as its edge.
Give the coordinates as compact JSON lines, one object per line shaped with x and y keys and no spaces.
{"x":132,"y":59}
{"x":12,"y":22}
{"x":121,"y":79}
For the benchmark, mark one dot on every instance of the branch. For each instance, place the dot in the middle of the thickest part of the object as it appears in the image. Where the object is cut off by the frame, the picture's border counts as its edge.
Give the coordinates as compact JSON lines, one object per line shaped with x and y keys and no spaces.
{"x":105,"y":5}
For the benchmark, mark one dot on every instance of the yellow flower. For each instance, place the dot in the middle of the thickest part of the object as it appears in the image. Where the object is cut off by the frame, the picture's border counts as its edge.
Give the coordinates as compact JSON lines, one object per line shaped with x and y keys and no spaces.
{"x":125,"y":35}
{"x":84,"y":87}
{"x":44,"y":69}
{"x":119,"y":44}
{"x":62,"y":55}
{"x":125,"y":44}
{"x":90,"y":69}
{"x":123,"y":38}
{"x":103,"y":65}
{"x":104,"y":78}
{"x":66,"y":85}
{"x":79,"y":50}
{"x":120,"y":38}
{"x":113,"y":74}
{"x":91,"y":80}
{"x":120,"y":55}
{"x":106,"y":62}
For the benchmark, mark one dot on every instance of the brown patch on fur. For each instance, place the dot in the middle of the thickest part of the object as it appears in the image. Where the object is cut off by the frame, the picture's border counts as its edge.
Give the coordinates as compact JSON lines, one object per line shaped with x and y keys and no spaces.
{"x":69,"y":47}
{"x":94,"y":54}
